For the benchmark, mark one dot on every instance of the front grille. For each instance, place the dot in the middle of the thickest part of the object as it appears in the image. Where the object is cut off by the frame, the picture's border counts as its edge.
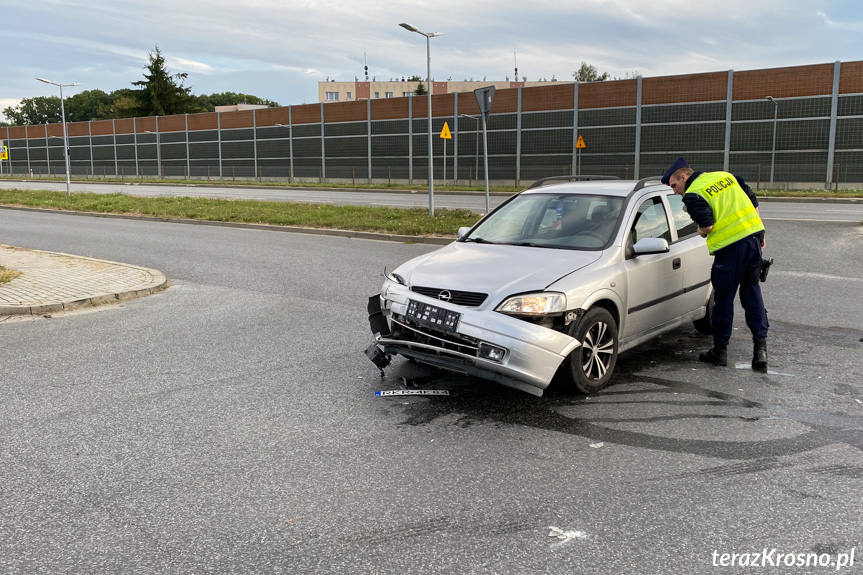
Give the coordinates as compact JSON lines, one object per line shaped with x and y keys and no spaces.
{"x":463,"y":298}
{"x":408,"y":332}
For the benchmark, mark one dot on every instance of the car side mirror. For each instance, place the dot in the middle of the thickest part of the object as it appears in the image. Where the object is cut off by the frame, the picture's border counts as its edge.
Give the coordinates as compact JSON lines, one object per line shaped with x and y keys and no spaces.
{"x":462,"y":231}
{"x":650,"y":246}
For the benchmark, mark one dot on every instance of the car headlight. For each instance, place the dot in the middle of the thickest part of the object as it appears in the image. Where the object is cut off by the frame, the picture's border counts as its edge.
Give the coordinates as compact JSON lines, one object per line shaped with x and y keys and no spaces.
{"x":545,"y":303}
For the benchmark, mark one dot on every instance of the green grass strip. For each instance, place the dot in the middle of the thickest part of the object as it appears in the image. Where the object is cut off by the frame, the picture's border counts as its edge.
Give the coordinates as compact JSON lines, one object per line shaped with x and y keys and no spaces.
{"x":409,"y":222}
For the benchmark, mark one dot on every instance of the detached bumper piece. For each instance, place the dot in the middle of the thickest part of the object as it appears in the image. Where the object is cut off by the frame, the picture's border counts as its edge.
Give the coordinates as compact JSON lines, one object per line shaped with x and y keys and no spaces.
{"x":377,"y":321}
{"x":381,"y":328}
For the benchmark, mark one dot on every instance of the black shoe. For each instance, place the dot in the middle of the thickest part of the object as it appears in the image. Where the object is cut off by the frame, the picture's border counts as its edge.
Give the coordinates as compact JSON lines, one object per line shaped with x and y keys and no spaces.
{"x":717,"y":355}
{"x":759,"y":353}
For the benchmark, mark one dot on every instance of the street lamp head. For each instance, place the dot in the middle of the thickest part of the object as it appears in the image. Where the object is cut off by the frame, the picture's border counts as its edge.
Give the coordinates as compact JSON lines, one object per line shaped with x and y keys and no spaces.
{"x":435,"y":34}
{"x":410,"y":28}
{"x":56,"y":84}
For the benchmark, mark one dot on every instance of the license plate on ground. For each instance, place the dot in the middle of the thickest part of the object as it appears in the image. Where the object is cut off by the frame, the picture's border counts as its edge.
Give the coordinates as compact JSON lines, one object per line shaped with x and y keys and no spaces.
{"x":434,"y":316}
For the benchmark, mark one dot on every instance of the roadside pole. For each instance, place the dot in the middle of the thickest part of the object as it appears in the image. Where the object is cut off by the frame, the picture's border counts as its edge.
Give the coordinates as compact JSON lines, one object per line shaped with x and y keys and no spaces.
{"x":484,"y":98}
{"x":445,"y":135}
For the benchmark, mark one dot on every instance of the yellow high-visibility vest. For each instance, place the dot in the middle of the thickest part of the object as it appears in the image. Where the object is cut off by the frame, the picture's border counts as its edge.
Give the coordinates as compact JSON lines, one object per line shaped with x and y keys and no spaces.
{"x":734,"y":216}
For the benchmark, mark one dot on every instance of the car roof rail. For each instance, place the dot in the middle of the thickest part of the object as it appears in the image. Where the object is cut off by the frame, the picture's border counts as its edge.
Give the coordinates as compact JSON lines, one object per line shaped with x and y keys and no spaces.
{"x":643,"y":182}
{"x":542,"y":181}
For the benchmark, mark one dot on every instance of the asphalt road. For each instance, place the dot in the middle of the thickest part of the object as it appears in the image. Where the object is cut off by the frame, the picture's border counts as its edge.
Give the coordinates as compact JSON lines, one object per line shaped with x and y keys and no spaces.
{"x":410,"y":199}
{"x":229,"y":425}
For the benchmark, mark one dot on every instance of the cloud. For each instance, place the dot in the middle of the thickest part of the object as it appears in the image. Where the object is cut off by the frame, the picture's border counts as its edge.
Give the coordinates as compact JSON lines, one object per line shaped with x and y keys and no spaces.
{"x":7,"y":103}
{"x":280,"y":50}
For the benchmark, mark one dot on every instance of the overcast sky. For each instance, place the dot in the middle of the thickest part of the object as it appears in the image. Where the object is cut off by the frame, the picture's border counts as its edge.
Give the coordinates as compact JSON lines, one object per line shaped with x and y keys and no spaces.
{"x":281,"y":49}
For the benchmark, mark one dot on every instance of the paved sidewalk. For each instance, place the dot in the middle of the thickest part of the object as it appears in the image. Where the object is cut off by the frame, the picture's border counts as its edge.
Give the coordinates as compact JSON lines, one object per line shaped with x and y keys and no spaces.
{"x":52,"y":282}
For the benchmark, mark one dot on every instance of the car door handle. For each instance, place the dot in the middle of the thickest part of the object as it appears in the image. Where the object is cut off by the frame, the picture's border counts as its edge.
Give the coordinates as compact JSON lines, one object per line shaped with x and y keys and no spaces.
{"x":675,"y":264}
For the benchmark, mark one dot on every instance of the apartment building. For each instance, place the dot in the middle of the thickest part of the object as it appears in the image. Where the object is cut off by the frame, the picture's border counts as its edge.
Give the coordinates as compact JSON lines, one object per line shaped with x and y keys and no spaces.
{"x":333,"y":91}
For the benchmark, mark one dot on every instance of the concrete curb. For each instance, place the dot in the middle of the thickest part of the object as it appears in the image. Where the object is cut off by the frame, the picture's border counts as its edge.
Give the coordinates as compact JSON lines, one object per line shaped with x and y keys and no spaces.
{"x":158,"y":282}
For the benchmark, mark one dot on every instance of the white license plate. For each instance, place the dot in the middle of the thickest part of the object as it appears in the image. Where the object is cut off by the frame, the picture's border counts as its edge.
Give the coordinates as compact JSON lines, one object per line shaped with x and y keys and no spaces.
{"x":434,"y":316}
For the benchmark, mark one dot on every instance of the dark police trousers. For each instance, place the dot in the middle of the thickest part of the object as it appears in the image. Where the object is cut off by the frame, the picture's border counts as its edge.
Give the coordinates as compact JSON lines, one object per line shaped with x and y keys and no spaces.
{"x":737,"y":267}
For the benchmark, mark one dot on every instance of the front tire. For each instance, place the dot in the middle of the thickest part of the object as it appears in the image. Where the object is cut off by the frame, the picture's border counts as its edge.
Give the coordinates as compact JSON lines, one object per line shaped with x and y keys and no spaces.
{"x":588,"y":369}
{"x":703,"y":325}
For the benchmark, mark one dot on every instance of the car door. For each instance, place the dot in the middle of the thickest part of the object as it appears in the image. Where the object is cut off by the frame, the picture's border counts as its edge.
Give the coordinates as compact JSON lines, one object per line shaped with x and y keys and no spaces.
{"x":654,"y":281}
{"x":694,"y":257}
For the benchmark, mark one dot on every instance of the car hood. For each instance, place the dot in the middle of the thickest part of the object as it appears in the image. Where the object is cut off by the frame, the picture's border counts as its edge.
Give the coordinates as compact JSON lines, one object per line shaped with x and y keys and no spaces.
{"x":497,"y":270}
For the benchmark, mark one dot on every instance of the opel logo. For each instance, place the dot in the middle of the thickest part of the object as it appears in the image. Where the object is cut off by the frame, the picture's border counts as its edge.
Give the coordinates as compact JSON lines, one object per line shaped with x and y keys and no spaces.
{"x":444,"y":295}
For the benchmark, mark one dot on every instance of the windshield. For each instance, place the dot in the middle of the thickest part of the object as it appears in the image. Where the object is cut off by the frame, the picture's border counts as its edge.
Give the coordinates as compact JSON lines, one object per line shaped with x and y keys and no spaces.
{"x":564,"y":221}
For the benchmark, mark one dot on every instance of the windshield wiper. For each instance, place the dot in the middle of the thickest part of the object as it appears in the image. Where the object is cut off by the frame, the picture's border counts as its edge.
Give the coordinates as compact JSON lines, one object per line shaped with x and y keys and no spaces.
{"x":535,"y":245}
{"x":479,"y":241}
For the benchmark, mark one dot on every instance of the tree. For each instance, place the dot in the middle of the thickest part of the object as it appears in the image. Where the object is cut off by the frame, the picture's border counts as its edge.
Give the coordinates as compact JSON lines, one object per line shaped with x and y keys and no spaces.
{"x":162,"y":94}
{"x":588,"y":73}
{"x":421,"y":87}
{"x":123,"y":104}
{"x":38,"y":110}
{"x":87,"y":105}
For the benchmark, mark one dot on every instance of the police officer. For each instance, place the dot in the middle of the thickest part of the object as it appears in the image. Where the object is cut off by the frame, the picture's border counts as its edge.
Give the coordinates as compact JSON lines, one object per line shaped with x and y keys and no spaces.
{"x":726,"y":212}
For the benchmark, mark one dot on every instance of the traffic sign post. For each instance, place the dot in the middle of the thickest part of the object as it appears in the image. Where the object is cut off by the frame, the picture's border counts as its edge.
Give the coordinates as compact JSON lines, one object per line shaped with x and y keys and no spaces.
{"x":484,"y":98}
{"x":579,"y":146}
{"x":445,"y":135}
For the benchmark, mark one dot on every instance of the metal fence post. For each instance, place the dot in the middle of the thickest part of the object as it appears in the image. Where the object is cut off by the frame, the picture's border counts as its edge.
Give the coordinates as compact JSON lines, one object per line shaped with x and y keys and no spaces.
{"x":410,"y":139}
{"x":518,"y":140}
{"x":291,"y":142}
{"x":219,"y":136}
{"x":47,"y":151}
{"x":255,"y":138}
{"x":159,"y":174}
{"x":27,"y":146}
{"x":834,"y":111}
{"x":729,"y":104}
{"x":135,"y":137}
{"x":114,"y":134}
{"x":188,"y":155}
{"x":90,"y":131}
{"x":574,"y":123}
{"x":323,"y":147}
{"x":369,"y":130}
{"x":637,"y":167}
{"x":455,"y":138}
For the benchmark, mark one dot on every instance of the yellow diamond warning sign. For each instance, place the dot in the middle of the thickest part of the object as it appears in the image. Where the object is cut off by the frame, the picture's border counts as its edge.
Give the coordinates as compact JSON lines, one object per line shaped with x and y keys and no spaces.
{"x":580,"y":143}
{"x":445,"y":133}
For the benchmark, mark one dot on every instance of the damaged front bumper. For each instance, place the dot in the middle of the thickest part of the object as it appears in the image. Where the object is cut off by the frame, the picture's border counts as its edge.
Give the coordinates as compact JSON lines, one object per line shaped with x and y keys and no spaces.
{"x":482,"y":343}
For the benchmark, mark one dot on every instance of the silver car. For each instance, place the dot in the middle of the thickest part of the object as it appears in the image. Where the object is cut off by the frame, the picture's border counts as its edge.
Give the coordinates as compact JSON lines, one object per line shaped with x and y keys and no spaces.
{"x":553,"y":284}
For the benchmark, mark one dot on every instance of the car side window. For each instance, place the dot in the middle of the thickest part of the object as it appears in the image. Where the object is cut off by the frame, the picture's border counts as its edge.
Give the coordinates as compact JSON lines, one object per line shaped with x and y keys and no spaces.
{"x":684,"y":224}
{"x":650,"y":221}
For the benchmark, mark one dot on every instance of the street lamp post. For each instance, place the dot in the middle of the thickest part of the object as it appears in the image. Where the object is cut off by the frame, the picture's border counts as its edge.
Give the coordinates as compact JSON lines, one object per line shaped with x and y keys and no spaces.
{"x":428,"y":36}
{"x":773,"y":152}
{"x":65,"y":136}
{"x":476,"y":153}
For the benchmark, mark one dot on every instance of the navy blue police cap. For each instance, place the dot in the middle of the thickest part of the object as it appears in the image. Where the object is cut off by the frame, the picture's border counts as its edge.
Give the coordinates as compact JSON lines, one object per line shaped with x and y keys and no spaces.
{"x":680,"y":163}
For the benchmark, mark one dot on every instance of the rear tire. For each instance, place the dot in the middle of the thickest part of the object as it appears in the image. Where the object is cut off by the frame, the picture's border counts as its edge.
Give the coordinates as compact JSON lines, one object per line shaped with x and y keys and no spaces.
{"x":589,"y":367}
